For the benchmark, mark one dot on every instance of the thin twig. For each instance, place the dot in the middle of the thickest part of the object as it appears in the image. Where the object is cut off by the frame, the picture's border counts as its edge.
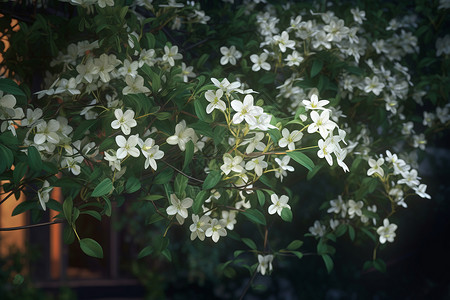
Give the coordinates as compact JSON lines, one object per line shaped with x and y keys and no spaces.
{"x":31,"y":226}
{"x":249,"y":283}
{"x":182,"y":173}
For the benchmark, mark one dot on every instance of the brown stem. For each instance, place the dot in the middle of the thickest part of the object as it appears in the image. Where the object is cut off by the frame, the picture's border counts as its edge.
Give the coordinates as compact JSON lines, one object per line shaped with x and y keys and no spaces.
{"x":31,"y":226}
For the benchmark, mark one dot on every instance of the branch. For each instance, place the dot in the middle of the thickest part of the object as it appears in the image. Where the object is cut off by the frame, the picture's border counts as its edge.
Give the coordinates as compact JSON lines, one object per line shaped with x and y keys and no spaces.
{"x":31,"y":226}
{"x":182,"y":173}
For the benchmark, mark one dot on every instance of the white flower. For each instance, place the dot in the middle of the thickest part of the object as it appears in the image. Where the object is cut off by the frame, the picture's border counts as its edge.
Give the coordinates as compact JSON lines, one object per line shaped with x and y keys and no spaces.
{"x":32,"y":117}
{"x":114,"y":162}
{"x":186,"y":72}
{"x":229,"y":218}
{"x":340,"y":156}
{"x":258,"y":164}
{"x":103,"y":3}
{"x":135,"y":85}
{"x":214,"y":101}
{"x":199,"y":226}
{"x":179,"y":208}
{"x":216,"y":229}
{"x":375,"y":167}
{"x":325,"y":150}
{"x":182,"y":135}
{"x":127,"y":146}
{"x":105,"y":65}
{"x":151,"y":153}
{"x":420,"y":190}
{"x":283,"y":163}
{"x":264,"y":264}
{"x":315,"y":103}
{"x":259,"y":62}
{"x":44,"y":194}
{"x":410,"y":178}
{"x":387,"y":232}
{"x":147,"y":57}
{"x":354,"y":208}
{"x":419,"y":141}
{"x":338,"y":206}
{"x":278,"y":204}
{"x":289,"y":139}
{"x":245,"y":110}
{"x":262,"y":122}
{"x":124,"y":121}
{"x":170,"y":54}
{"x":358,"y":15}
{"x":334,"y":224}
{"x":321,"y":123}
{"x":318,"y":229}
{"x":373,"y":85}
{"x":225,"y":85}
{"x":129,"y":68}
{"x":254,"y":143}
{"x":47,"y":132}
{"x":283,"y":41}
{"x":231,"y":164}
{"x":294,"y":59}
{"x":230,"y":55}
{"x":7,"y":103}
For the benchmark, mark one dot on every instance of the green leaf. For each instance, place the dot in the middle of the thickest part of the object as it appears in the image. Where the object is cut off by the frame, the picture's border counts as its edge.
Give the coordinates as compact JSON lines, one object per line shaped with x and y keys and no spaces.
{"x":212,"y":179}
{"x":188,"y":154}
{"x":24,"y":206}
{"x":67,"y":209}
{"x":219,"y":134}
{"x":351,"y":232}
{"x":200,"y":110}
{"x":180,"y":184}
{"x":34,"y":159}
{"x":8,"y":86}
{"x":199,"y":200}
{"x":302,"y":159}
{"x":166,"y":253}
{"x":108,"y":206}
{"x":145,"y":252}
{"x":133,"y":185}
{"x":154,"y":219}
{"x":316,"y":67}
{"x":82,"y":128}
{"x":92,"y":213}
{"x":314,"y":171}
{"x":153,"y":197}
{"x":91,"y":247}
{"x":103,"y":188}
{"x":6,"y":156}
{"x":261,"y":197}
{"x":54,"y":205}
{"x":250,"y":243}
{"x":294,"y":245}
{"x":286,"y":214}
{"x":164,"y":176}
{"x":380,"y":265}
{"x":19,"y":172}
{"x":255,"y":216}
{"x":150,"y":40}
{"x":328,"y":262}
{"x":340,"y":230}
{"x":202,"y":127}
{"x":237,"y":253}
{"x":298,"y":254}
{"x":367,"y":265}
{"x":68,"y":235}
{"x":369,"y":234}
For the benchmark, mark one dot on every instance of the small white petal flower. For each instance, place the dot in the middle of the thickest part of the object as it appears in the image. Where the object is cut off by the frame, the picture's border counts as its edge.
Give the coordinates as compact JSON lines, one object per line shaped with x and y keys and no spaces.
{"x":387,"y":232}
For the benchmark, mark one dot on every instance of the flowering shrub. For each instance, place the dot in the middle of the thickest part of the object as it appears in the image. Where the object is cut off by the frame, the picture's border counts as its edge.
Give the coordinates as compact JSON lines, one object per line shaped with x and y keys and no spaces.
{"x":204,"y":122}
